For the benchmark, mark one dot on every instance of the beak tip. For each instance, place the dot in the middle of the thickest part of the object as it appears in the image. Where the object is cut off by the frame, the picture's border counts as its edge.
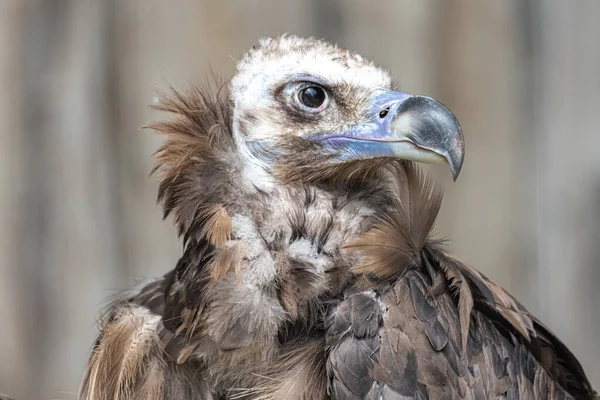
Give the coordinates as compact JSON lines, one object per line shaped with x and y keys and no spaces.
{"x":456,"y":164}
{"x":455,"y":174}
{"x":457,"y":154}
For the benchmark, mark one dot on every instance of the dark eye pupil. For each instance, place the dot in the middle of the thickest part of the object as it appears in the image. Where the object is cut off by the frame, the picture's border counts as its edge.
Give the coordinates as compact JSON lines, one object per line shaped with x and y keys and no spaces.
{"x":312,"y":96}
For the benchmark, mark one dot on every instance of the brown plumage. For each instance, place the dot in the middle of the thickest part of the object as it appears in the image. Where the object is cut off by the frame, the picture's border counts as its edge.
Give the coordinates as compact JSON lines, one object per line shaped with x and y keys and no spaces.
{"x":309,"y":276}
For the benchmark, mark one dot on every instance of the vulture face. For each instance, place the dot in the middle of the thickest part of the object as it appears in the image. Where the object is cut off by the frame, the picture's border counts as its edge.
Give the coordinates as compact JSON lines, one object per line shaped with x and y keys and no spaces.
{"x":316,"y":104}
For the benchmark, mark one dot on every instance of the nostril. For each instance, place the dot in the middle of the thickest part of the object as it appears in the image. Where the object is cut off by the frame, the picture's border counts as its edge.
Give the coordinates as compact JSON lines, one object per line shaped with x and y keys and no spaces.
{"x":384,"y":112}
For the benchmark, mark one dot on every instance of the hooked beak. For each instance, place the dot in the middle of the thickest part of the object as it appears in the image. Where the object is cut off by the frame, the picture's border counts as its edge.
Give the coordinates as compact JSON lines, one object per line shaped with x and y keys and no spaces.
{"x":408,"y":127}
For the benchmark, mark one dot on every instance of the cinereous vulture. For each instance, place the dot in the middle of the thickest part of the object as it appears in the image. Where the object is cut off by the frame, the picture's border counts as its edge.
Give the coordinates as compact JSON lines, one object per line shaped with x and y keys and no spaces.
{"x":308,"y":268}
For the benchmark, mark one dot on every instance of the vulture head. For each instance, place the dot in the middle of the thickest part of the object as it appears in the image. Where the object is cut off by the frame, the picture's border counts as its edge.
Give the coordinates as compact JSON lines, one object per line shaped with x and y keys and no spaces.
{"x":277,"y":182}
{"x":302,"y":108}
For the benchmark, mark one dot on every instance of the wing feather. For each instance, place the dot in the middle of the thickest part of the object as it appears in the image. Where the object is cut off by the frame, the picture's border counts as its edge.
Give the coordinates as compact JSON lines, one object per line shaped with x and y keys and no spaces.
{"x":128,"y":360}
{"x":446,"y":331}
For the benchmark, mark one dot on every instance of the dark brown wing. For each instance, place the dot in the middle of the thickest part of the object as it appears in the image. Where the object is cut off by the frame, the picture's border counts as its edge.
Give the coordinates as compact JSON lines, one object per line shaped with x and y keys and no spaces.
{"x":444,"y":331}
{"x":509,"y":315}
{"x":128,"y":360}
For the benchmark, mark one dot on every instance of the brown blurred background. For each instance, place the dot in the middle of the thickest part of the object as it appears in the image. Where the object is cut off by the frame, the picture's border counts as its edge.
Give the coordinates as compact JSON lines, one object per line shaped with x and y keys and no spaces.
{"x":78,"y":218}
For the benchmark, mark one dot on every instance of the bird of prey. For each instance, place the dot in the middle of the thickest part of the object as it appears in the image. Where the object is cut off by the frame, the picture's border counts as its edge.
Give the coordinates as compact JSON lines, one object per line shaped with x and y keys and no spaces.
{"x":309,"y":270}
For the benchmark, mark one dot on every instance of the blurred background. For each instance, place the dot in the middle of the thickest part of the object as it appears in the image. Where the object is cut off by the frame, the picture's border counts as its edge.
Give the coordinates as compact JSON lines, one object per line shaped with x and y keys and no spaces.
{"x":78,"y":218}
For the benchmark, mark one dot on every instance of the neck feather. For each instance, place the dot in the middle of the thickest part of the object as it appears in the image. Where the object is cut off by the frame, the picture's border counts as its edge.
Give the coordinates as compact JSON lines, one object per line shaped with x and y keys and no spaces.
{"x":262,"y":253}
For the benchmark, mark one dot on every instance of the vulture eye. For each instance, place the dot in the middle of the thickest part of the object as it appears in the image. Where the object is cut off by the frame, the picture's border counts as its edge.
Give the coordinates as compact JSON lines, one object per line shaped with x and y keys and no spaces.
{"x":312,"y":97}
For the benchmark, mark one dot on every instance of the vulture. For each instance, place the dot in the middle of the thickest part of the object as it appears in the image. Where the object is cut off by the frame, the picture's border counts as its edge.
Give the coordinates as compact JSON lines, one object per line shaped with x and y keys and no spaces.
{"x":309,"y":269}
